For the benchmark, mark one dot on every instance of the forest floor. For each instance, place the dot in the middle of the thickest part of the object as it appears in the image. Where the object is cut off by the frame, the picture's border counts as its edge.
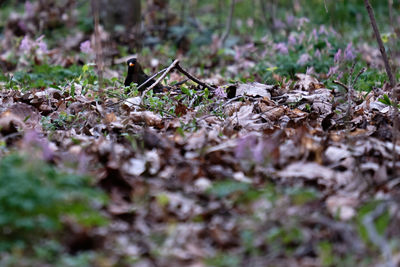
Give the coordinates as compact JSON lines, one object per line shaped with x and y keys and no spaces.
{"x":263,"y":168}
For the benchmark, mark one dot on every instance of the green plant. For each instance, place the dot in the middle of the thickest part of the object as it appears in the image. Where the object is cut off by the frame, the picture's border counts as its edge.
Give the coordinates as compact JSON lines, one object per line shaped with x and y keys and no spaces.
{"x":35,"y":196}
{"x":42,"y":76}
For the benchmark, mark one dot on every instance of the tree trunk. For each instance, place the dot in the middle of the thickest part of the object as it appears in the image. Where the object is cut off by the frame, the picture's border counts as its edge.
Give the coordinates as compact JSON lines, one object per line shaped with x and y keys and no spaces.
{"x":125,"y":13}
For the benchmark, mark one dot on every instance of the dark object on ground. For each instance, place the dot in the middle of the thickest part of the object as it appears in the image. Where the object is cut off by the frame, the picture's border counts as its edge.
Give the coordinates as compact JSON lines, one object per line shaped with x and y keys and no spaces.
{"x":137,"y":75}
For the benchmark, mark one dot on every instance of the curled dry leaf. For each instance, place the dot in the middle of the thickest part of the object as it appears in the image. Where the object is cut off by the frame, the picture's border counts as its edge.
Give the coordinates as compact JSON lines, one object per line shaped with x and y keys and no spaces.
{"x":342,"y":206}
{"x":254,"y":89}
{"x":307,"y":82}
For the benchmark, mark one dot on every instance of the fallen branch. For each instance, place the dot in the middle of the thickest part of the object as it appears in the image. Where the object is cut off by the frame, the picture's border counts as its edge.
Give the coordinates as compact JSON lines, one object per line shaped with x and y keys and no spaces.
{"x":149,"y":79}
{"x":392,"y":80}
{"x":172,"y":66}
{"x":190,"y":76}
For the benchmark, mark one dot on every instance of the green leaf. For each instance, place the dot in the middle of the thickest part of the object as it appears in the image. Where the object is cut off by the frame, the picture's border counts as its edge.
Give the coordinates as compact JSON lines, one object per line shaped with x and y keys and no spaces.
{"x":225,"y":188}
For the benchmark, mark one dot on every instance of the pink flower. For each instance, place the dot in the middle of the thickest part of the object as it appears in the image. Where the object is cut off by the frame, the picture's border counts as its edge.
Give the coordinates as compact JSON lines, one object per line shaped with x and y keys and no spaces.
{"x":292,"y":40}
{"x":32,"y":139}
{"x":317,"y":54}
{"x":304,"y":58}
{"x":315,"y":34}
{"x":338,"y":56}
{"x":333,"y":70}
{"x":278,"y":24}
{"x":42,"y":46}
{"x":86,"y":47}
{"x":322,"y":30}
{"x":26,"y":44}
{"x":302,"y":21}
{"x":29,"y":10}
{"x":290,"y":19}
{"x":243,"y":146}
{"x":328,"y":44}
{"x":349,"y":52}
{"x":301,"y":37}
{"x":282,"y":48}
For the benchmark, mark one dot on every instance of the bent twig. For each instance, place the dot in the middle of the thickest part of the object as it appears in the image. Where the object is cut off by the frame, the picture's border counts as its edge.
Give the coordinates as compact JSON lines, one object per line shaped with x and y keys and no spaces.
{"x":172,"y":66}
{"x":190,"y":76}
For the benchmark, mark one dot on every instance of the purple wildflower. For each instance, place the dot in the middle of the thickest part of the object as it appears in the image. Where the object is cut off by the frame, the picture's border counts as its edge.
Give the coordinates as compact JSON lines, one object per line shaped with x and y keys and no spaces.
{"x":22,"y":26}
{"x":317,"y":54}
{"x":349,"y":52}
{"x":301,"y":37}
{"x":315,"y":34}
{"x":26,"y":44}
{"x":292,"y":40}
{"x":333,"y":70}
{"x":282,"y":48}
{"x":290,"y":19}
{"x":338,"y":56}
{"x":220,"y":92}
{"x":302,"y":21}
{"x":244,"y":145}
{"x":304,"y":58}
{"x":258,"y":152}
{"x":278,"y":24}
{"x":86,"y":47}
{"x":29,"y":10}
{"x":42,"y":46}
{"x":322,"y":30}
{"x":310,"y":70}
{"x":32,"y":139}
{"x":328,"y":44}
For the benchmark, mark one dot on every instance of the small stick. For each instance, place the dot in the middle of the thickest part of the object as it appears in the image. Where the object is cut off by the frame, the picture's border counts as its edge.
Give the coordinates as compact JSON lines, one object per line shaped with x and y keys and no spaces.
{"x":97,"y":42}
{"x":358,"y":75}
{"x":371,"y":14}
{"x":149,"y":79}
{"x":350,"y":91}
{"x":341,"y":84}
{"x":176,"y":61}
{"x":392,"y":81}
{"x":190,"y":76}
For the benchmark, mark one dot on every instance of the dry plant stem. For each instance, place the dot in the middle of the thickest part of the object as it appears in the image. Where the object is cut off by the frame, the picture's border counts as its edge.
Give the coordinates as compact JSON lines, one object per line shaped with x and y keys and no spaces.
{"x":98,"y":49}
{"x":380,"y":43}
{"x":390,"y":6}
{"x":349,"y":94}
{"x":378,"y":240}
{"x":228,"y":23}
{"x":341,"y":84}
{"x":326,"y":7}
{"x":358,"y":76}
{"x":392,"y":80}
{"x":190,"y":76}
{"x":176,"y":61}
